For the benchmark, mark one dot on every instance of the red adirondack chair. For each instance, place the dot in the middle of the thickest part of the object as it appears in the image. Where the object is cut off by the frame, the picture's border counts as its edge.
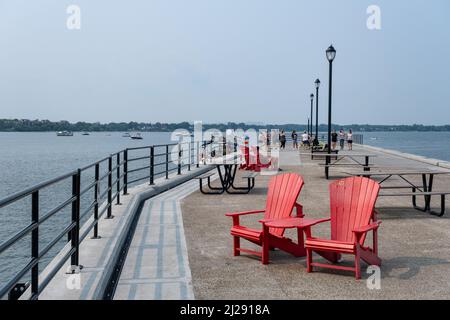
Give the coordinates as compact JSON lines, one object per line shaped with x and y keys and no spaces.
{"x":251,"y":160}
{"x":352,"y":203}
{"x":281,"y":200}
{"x":259,"y":165}
{"x":245,"y":158}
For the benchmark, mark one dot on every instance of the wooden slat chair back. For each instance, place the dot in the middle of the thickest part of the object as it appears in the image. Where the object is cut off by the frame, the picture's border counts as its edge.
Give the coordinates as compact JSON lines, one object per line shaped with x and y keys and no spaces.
{"x":281,"y":198}
{"x":352,"y":202}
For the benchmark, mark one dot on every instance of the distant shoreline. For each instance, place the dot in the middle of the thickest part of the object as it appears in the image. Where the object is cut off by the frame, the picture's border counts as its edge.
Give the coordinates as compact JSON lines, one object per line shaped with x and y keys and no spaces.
{"x":25,"y":125}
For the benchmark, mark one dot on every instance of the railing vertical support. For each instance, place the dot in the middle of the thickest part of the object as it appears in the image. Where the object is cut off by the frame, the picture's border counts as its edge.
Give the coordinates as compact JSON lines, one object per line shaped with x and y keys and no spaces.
{"x":180,"y":153}
{"x":152,"y":165}
{"x":118,"y":178}
{"x":96,"y":193}
{"x":224,"y":146}
{"x":190,"y":155}
{"x":109,"y":214}
{"x":35,"y":245}
{"x":125,"y":172}
{"x":198,"y":154}
{"x":75,"y":233}
{"x":167,"y":162}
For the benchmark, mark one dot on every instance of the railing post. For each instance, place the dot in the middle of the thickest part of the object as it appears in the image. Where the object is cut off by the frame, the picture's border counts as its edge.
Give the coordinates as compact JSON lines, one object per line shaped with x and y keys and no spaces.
{"x":198,"y":154}
{"x":75,"y":233}
{"x":180,"y":153}
{"x":190,"y":156}
{"x":125,"y":172}
{"x":224,"y":146}
{"x":118,"y":178}
{"x":167,"y":161}
{"x":109,"y":214}
{"x":35,"y":245}
{"x":204,"y":151}
{"x":96,"y":193}
{"x":152,"y":165}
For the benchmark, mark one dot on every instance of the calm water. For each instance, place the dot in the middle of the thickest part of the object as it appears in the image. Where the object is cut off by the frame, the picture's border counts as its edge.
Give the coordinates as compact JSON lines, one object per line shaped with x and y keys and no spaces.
{"x":29,"y":158}
{"x":429,"y":144}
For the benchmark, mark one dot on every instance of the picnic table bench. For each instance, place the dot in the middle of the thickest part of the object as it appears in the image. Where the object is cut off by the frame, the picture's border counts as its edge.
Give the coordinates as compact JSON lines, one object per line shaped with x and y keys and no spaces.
{"x":320,"y":153}
{"x":425,"y":190}
{"x":353,"y":157}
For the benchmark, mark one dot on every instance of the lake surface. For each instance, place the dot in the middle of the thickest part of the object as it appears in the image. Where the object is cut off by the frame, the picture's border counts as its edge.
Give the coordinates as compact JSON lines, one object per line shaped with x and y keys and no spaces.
{"x":428,"y":144}
{"x":30,"y":158}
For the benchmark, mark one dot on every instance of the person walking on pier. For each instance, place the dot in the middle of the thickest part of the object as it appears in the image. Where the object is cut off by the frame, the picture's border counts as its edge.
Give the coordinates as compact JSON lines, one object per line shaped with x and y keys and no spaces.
{"x":350,"y":140}
{"x":306,"y":140}
{"x":341,"y":138}
{"x":282,"y":140}
{"x":334,"y":137}
{"x":294,"y":136}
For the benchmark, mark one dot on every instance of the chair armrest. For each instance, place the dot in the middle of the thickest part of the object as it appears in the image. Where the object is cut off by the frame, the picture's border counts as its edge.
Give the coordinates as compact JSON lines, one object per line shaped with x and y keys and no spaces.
{"x":319,"y":221}
{"x":299,"y":209}
{"x":369,"y":227}
{"x":307,"y":228}
{"x":375,"y":215}
{"x":237,"y":214}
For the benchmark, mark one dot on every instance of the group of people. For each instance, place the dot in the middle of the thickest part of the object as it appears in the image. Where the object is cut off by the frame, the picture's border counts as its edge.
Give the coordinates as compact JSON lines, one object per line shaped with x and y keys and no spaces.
{"x":307,"y":139}
{"x":342,"y":136}
{"x":294,"y":137}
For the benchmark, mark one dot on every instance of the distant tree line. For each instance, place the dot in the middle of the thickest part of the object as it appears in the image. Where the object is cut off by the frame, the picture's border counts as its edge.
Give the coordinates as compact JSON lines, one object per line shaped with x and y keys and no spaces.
{"x":25,"y":125}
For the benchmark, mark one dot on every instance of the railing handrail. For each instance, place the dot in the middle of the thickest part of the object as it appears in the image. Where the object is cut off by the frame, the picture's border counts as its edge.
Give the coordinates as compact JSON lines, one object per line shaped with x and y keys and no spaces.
{"x":28,"y":191}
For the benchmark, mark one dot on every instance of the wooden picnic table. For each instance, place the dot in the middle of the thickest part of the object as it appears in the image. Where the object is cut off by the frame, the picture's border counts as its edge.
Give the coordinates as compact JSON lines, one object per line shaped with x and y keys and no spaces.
{"x":425,"y":189}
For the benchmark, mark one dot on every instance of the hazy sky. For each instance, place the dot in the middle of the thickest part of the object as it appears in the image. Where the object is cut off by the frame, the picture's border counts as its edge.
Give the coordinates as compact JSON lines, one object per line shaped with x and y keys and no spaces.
{"x":224,"y":60}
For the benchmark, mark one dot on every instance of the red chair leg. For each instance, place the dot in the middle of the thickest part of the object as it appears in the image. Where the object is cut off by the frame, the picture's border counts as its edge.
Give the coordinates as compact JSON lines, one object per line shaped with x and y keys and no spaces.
{"x":309,"y":260}
{"x":265,"y":245}
{"x":357,"y":264}
{"x":236,"y":246}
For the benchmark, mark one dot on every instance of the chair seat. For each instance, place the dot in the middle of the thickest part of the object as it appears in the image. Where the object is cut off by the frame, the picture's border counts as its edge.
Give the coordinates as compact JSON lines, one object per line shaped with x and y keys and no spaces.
{"x":330,"y":245}
{"x":247,"y":233}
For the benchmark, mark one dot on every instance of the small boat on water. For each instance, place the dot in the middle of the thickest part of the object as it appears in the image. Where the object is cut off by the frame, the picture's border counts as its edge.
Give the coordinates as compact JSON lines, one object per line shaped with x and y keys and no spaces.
{"x":85,"y":133}
{"x":126,"y":135}
{"x":64,"y":133}
{"x":136,"y":136}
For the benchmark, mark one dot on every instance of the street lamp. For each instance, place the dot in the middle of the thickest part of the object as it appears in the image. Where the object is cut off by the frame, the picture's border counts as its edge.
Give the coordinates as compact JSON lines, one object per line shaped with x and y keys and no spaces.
{"x":331,"y":54}
{"x":316,"y":139}
{"x":310,"y":127}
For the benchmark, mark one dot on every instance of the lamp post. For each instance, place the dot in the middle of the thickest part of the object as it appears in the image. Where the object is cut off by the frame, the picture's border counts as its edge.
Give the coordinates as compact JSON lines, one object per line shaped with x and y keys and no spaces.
{"x":331,"y":54}
{"x":316,"y":139}
{"x":310,"y":127}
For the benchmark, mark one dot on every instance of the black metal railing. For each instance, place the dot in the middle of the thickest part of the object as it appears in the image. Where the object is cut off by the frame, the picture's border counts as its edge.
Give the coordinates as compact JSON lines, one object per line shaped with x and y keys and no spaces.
{"x":88,"y":203}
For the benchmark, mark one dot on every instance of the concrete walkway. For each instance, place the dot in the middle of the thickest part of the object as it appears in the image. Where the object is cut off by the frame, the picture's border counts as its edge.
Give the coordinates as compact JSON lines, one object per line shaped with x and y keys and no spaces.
{"x":98,"y":256}
{"x":157,"y":265}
